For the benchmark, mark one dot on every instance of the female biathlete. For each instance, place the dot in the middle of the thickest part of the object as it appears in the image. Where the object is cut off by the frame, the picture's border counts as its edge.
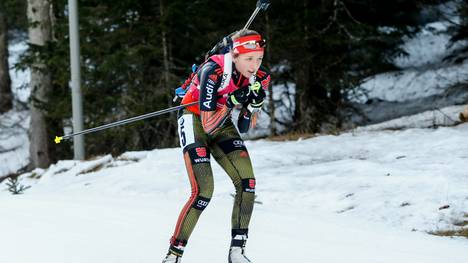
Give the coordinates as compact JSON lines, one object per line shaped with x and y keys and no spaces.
{"x":221,"y":83}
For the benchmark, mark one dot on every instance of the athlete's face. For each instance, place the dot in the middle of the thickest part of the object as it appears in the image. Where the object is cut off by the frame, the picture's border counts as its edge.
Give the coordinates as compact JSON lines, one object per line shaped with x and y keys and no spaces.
{"x":247,"y":64}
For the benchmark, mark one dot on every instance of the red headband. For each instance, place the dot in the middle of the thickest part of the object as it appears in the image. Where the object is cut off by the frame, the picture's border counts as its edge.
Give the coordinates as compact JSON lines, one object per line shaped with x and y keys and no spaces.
{"x":248,"y":44}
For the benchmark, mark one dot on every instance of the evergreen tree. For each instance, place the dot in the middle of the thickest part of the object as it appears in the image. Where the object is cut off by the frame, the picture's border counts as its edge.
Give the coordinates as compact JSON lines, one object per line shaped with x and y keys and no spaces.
{"x":5,"y":82}
{"x":135,"y":53}
{"x":127,"y":69}
{"x":332,"y":46}
{"x":16,"y":15}
{"x":461,"y":29}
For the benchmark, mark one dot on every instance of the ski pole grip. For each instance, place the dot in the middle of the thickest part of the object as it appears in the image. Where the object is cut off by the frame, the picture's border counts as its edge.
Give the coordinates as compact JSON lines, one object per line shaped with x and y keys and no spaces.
{"x":263,"y":4}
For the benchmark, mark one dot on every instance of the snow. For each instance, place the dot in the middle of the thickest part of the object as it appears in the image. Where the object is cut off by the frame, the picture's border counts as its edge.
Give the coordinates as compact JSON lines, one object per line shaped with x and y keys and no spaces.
{"x":447,"y":116}
{"x":413,"y":83}
{"x":14,"y":142}
{"x":428,"y":47}
{"x":369,"y":195}
{"x":19,"y":78}
{"x":283,"y":97}
{"x":424,"y":72}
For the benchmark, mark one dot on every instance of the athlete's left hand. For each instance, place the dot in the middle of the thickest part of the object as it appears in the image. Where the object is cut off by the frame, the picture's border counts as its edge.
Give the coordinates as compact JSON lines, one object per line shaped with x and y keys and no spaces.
{"x":257,"y":95}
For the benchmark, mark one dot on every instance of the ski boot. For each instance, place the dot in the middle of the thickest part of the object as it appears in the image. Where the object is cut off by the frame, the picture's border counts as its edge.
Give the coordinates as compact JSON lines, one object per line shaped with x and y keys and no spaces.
{"x":172,"y":258}
{"x":237,"y":250}
{"x":176,"y":249}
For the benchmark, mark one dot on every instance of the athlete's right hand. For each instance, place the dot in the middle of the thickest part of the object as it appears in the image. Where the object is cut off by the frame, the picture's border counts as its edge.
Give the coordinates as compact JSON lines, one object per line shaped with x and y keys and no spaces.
{"x":239,"y":96}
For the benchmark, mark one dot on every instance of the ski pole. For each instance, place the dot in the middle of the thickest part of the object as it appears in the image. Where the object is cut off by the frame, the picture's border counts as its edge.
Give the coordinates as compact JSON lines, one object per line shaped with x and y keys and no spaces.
{"x":261,"y":5}
{"x":59,"y":139}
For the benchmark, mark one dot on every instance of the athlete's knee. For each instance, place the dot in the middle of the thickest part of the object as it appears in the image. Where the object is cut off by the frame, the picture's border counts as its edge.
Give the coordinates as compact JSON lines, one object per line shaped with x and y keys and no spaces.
{"x":201,"y":203}
{"x":206,"y":188}
{"x":200,"y":197}
{"x":200,"y":161}
{"x":248,"y":185}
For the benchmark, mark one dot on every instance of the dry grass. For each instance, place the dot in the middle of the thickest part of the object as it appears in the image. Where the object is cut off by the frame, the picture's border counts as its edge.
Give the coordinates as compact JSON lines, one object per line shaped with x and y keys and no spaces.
{"x":451,"y":233}
{"x":462,"y":232}
{"x":293,"y":136}
{"x":92,"y":169}
{"x":34,"y":175}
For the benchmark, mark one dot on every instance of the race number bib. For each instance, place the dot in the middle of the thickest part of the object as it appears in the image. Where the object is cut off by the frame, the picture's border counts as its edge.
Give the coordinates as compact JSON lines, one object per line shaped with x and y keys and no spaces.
{"x":186,"y":135}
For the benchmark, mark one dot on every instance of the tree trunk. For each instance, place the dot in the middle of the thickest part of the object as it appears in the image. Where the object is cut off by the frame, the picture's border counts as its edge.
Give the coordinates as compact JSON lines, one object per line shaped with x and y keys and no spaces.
{"x":305,"y":109}
{"x":166,"y":74}
{"x":164,"y":46}
{"x":39,"y":34}
{"x":271,"y":102}
{"x":5,"y":81}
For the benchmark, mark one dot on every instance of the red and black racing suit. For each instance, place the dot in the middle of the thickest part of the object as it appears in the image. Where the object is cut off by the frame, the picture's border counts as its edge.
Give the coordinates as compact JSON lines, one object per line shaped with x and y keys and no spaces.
{"x":206,"y":130}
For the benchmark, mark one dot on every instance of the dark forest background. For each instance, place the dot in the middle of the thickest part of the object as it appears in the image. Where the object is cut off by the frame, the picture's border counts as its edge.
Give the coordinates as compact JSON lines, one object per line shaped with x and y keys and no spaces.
{"x":135,"y":53}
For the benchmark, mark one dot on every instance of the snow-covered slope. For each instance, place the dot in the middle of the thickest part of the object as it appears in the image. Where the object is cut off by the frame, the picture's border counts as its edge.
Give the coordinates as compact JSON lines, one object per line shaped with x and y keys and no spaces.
{"x":425,"y":72}
{"x":427,"y":79}
{"x":357,"y":197}
{"x":14,"y":141}
{"x":448,"y":116}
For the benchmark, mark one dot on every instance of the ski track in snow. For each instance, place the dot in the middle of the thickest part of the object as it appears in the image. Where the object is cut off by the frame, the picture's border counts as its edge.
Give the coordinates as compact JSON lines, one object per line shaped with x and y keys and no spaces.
{"x":362,"y":197}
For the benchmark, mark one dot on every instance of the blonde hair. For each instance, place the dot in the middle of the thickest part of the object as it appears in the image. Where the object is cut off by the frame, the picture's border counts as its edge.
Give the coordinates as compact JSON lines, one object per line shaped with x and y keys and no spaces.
{"x":242,"y":33}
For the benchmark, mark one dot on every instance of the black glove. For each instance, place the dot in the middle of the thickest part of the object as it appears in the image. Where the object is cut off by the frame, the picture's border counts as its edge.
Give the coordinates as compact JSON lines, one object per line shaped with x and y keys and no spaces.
{"x":257,"y":95}
{"x":239,"y":96}
{"x":243,"y":122}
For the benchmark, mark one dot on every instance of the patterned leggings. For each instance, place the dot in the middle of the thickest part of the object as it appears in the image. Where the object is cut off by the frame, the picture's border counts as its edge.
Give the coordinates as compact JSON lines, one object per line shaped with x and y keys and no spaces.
{"x":228,"y":149}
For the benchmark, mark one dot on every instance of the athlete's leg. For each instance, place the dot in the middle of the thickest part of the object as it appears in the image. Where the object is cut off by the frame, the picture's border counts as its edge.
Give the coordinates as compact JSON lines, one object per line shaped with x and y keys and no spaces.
{"x":230,"y":152}
{"x":197,"y":161}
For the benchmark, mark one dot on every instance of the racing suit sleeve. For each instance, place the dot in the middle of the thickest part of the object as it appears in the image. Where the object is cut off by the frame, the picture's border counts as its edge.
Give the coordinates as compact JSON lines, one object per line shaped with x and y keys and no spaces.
{"x":210,"y":80}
